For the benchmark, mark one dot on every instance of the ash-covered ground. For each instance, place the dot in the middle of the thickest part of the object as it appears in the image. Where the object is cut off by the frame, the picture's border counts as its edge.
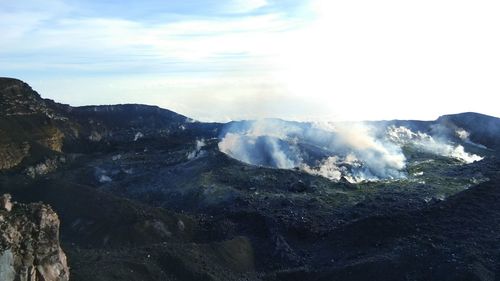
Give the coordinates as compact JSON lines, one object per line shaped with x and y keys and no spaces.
{"x":144,"y":193}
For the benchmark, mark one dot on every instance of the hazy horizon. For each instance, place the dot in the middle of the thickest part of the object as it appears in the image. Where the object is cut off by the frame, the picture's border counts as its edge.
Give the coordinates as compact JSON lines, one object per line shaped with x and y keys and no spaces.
{"x":232,"y":60}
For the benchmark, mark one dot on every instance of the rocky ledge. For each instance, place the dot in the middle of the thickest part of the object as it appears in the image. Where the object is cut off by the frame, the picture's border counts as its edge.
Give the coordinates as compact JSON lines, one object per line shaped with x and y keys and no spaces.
{"x":29,"y":243}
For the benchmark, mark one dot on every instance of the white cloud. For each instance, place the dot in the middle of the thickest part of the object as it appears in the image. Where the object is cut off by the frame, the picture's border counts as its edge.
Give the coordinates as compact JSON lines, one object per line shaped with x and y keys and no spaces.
{"x":244,"y":6}
{"x":351,"y":60}
{"x":189,"y":40}
{"x":396,"y":59}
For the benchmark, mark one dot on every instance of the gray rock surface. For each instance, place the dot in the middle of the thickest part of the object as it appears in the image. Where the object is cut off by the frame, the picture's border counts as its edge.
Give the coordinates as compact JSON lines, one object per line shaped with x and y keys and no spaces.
{"x":29,"y":244}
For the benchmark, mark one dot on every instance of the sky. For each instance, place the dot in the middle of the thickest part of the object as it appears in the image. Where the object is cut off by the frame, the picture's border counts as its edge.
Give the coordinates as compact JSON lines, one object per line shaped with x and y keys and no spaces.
{"x":220,"y":60}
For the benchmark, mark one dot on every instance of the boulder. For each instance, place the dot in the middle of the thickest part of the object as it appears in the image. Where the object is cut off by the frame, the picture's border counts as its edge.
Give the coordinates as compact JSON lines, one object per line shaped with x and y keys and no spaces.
{"x":29,"y":243}
{"x":5,"y":203}
{"x":298,"y":186}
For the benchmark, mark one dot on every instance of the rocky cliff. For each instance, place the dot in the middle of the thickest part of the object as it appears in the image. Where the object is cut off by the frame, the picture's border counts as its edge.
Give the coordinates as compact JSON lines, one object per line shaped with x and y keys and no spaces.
{"x":34,"y":130}
{"x":29,"y":243}
{"x":30,"y":129}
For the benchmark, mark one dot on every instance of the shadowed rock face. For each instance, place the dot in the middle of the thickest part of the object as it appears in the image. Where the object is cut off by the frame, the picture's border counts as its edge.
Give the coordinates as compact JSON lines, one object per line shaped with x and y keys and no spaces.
{"x":27,"y":124}
{"x":29,"y":243}
{"x":33,"y":129}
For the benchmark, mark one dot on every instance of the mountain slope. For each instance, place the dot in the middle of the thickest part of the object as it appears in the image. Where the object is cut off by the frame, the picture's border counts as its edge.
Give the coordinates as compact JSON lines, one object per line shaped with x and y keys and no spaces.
{"x":144,"y":193}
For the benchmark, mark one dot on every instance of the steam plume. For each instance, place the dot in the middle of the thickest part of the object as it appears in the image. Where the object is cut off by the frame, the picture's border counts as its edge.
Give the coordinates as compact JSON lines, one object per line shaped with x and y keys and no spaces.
{"x":427,"y":143}
{"x":348,"y":150}
{"x":355,"y":151}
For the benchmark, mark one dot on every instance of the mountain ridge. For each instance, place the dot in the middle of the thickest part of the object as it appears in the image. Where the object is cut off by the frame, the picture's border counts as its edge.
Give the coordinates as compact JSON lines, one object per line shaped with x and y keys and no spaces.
{"x":136,"y":107}
{"x":144,"y":193}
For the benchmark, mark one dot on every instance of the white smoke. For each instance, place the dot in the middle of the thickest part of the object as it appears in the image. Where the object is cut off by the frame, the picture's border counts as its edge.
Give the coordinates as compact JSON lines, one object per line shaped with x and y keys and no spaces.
{"x":138,"y":136}
{"x":328,"y":168}
{"x":359,"y":155}
{"x":257,"y":150}
{"x":349,"y":150}
{"x":424,"y":142}
{"x":377,"y":157}
{"x":464,"y":136}
{"x":197,"y":152}
{"x":354,"y":151}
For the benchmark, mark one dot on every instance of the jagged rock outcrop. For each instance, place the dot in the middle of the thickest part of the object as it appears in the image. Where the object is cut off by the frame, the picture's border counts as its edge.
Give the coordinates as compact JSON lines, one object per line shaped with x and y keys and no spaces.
{"x":18,"y":98}
{"x":45,"y":167}
{"x":11,"y":154}
{"x":33,"y":129}
{"x":29,"y":243}
{"x":30,"y":127}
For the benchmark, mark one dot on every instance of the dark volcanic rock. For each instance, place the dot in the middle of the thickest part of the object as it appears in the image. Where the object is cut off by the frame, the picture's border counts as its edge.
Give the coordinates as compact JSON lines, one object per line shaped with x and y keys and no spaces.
{"x":30,"y":129}
{"x":483,"y":129}
{"x":298,"y":186}
{"x":145,"y":193}
{"x":18,"y":98}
